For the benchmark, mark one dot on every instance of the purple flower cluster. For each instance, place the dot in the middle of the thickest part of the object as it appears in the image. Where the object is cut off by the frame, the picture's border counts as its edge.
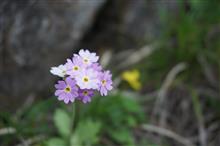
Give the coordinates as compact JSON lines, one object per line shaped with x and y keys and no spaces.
{"x":81,"y":76}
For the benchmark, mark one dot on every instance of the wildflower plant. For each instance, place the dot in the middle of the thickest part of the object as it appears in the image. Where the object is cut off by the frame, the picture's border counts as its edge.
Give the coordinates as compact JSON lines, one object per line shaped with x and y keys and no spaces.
{"x":81,"y":76}
{"x":133,"y":78}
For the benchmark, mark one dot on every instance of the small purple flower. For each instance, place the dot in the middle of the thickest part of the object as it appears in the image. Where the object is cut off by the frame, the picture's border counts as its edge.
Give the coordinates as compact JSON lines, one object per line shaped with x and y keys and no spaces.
{"x":105,"y":82}
{"x":66,"y":90}
{"x":97,"y":67}
{"x":82,"y":76}
{"x":74,"y":66}
{"x":87,"y":57}
{"x":87,"y":79}
{"x":59,"y":71}
{"x":85,"y":95}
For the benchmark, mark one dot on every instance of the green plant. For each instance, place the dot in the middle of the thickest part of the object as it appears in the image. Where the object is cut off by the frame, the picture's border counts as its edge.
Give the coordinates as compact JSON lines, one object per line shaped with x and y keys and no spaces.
{"x":84,"y":134}
{"x":113,"y":116}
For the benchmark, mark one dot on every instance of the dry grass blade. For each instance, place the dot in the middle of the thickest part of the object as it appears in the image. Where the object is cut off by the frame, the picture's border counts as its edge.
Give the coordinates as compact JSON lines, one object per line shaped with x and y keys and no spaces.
{"x":167,"y":133}
{"x":32,"y":140}
{"x":200,"y":119}
{"x":169,"y":79}
{"x":136,"y":56}
{"x":106,"y":57}
{"x":8,"y":130}
{"x":164,"y":88}
{"x":207,"y":70}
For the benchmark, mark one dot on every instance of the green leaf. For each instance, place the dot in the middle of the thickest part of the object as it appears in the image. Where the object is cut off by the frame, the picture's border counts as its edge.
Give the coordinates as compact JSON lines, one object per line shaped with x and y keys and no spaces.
{"x":131,"y":121}
{"x":131,"y":105}
{"x":56,"y":142}
{"x":123,"y":136}
{"x":63,"y":122}
{"x":197,"y":105}
{"x":75,"y":140}
{"x":87,"y":132}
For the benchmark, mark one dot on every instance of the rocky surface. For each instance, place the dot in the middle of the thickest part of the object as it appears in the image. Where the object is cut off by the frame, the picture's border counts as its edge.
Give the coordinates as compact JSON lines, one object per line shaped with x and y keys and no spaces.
{"x":38,"y":34}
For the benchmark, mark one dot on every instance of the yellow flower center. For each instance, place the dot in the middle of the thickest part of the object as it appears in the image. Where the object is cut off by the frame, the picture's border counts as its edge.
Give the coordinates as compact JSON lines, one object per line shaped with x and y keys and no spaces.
{"x":86,"y":60}
{"x":103,"y":82}
{"x":85,"y":93}
{"x":67,"y":89}
{"x":85,"y":79}
{"x":75,"y":68}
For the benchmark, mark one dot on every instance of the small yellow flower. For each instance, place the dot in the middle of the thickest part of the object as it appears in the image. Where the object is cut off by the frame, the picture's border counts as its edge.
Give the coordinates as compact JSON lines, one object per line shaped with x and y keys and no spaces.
{"x":133,"y":78}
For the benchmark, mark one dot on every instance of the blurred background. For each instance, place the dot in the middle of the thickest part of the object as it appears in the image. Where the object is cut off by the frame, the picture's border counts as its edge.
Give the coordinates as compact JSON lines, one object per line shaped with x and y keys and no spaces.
{"x":165,"y":60}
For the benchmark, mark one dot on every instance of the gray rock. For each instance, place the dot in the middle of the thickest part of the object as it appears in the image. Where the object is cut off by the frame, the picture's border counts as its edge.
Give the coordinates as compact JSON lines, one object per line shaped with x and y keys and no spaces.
{"x":38,"y":34}
{"x":128,"y":24}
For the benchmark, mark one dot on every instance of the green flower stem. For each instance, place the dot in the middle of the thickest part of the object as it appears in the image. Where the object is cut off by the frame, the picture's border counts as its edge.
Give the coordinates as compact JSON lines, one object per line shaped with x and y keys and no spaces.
{"x":73,"y":115}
